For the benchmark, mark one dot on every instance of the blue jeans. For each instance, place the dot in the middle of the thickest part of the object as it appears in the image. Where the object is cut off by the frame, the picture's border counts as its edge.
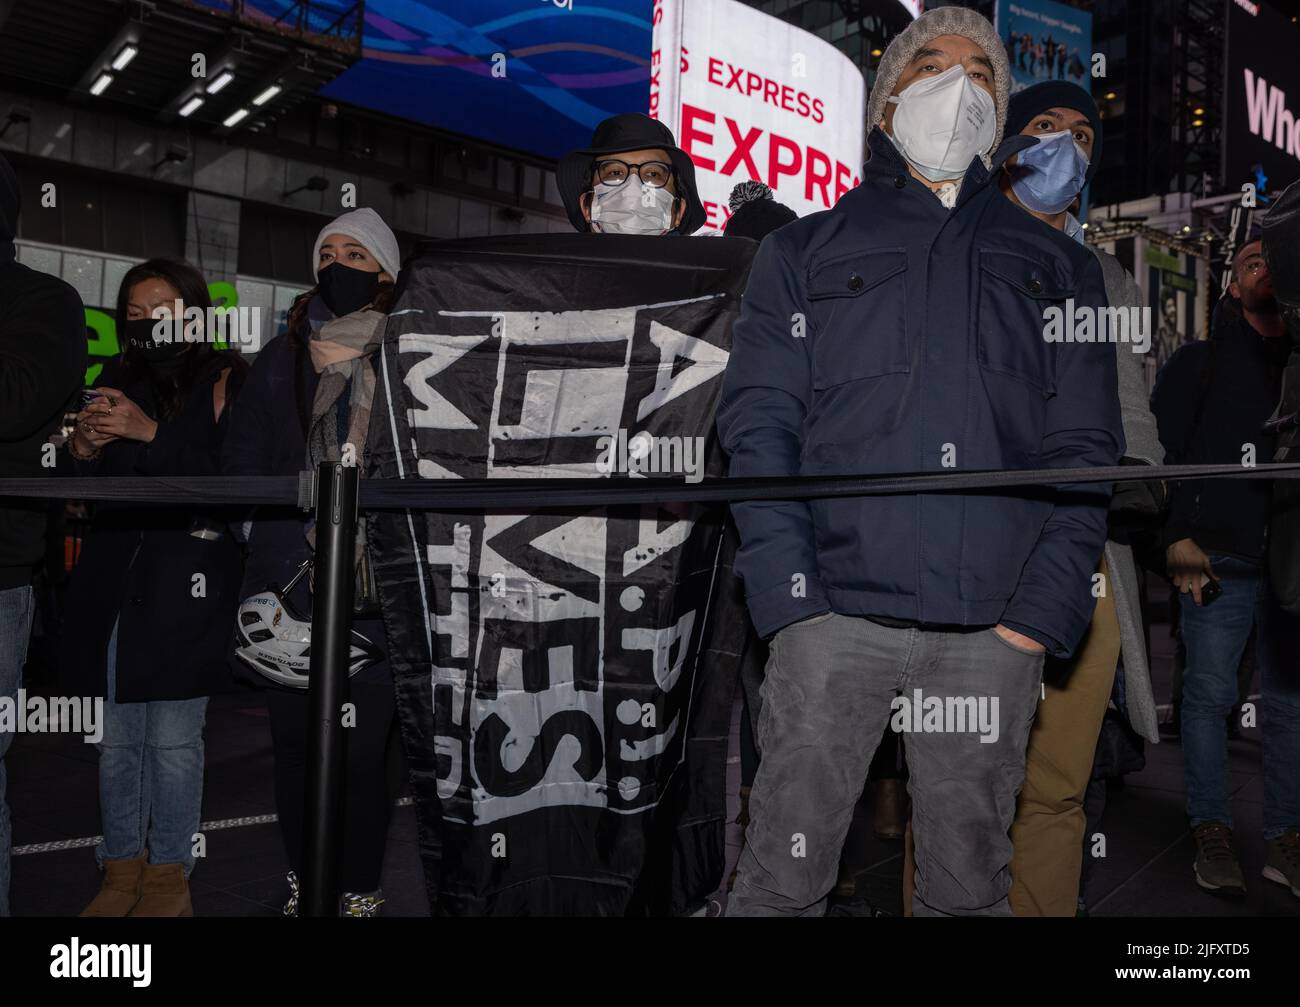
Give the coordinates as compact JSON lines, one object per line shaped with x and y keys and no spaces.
{"x":150,"y":776}
{"x":16,"y":607}
{"x":1215,"y":636}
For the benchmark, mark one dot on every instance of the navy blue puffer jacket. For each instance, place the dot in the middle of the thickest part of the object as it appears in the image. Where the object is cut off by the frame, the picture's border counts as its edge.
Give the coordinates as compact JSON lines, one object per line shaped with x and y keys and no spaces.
{"x":890,"y":334}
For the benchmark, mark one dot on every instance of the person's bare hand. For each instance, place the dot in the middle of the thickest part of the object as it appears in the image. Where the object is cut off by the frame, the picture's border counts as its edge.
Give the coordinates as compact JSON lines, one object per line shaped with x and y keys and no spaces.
{"x":87,"y":437}
{"x":1018,"y":639}
{"x":1187,"y":565}
{"x":113,"y":413}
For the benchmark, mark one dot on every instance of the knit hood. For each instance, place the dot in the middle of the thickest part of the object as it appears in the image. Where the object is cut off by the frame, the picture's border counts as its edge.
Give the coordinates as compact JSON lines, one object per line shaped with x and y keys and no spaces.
{"x":926,"y":28}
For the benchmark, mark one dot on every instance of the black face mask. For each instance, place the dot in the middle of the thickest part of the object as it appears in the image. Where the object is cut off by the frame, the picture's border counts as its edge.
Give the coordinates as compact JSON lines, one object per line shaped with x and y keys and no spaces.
{"x":344,"y":289}
{"x":138,"y":334}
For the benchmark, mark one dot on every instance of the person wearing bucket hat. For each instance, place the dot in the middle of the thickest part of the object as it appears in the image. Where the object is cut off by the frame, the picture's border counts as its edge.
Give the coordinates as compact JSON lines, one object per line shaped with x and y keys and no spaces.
{"x":902,"y":330}
{"x":633,"y":179}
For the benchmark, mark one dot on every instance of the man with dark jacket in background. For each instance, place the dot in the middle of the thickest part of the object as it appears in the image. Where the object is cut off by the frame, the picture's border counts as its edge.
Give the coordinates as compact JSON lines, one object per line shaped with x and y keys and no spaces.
{"x":904,"y":330}
{"x":1050,"y":821}
{"x":1212,"y":400}
{"x":42,"y":364}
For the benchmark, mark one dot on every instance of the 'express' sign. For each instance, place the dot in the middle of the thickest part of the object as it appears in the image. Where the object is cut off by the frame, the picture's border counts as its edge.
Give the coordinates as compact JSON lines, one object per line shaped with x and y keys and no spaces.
{"x":751,"y":97}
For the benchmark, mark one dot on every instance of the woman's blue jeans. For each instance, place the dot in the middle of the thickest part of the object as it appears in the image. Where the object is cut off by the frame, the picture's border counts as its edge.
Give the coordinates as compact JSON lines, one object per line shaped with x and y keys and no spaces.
{"x":150,"y":776}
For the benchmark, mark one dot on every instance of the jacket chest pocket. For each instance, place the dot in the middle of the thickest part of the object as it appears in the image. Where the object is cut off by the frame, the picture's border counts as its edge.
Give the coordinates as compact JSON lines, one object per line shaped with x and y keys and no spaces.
{"x":859,"y":317}
{"x":1016,"y":295}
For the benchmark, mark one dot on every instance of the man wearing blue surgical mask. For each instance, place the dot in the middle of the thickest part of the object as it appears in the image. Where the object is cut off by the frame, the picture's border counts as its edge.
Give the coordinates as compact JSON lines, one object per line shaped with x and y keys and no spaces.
{"x":1050,"y":821}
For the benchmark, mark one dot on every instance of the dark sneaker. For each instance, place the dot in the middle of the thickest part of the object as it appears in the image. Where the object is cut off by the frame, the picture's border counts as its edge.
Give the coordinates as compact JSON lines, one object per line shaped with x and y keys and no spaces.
{"x":361,"y":904}
{"x":1217,"y":868}
{"x":1283,"y":864}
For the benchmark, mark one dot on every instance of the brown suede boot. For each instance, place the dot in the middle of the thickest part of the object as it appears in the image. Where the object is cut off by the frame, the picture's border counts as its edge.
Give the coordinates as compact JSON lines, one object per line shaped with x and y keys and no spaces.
{"x":164,"y":892}
{"x":120,"y":890}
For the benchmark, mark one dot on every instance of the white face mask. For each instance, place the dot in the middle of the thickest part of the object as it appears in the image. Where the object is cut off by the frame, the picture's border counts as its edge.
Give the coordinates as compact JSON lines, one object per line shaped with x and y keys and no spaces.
{"x":631,"y":208}
{"x":942,"y":122}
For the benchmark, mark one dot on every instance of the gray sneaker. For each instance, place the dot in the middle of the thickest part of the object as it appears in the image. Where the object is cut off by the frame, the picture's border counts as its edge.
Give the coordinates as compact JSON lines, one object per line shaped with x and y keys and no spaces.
{"x":1217,"y":868}
{"x":1283,"y":864}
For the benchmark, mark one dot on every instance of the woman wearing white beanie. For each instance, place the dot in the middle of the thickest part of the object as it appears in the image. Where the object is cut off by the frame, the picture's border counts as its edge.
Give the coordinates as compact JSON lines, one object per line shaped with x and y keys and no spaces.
{"x":308,"y":400}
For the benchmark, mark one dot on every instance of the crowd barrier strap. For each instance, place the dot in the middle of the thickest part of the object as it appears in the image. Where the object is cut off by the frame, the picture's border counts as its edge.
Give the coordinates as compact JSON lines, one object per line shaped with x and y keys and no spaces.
{"x":533,"y":494}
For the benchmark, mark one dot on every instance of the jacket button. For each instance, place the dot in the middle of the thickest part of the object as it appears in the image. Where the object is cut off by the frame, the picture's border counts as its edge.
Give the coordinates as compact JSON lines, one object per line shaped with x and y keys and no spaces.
{"x":900,"y":181}
{"x":1035,"y":286}
{"x":855,"y":282}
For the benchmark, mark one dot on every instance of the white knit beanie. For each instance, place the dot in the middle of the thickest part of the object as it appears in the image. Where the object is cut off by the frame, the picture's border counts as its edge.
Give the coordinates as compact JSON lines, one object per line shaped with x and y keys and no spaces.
{"x":368,"y":228}
{"x":929,"y":26}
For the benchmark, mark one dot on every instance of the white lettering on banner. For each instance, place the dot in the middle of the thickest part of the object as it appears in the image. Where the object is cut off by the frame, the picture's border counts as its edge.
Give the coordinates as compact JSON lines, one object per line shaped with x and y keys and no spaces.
{"x":723,"y":81}
{"x":525,"y":597}
{"x":1268,"y":117}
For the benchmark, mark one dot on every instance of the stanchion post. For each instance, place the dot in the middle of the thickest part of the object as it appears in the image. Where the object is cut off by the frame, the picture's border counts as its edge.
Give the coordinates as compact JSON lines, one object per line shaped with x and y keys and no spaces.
{"x":331,"y":627}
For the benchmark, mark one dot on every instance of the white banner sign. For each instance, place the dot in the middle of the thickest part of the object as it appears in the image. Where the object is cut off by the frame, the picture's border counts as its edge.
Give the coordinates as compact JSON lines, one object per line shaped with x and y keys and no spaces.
{"x":751,"y":97}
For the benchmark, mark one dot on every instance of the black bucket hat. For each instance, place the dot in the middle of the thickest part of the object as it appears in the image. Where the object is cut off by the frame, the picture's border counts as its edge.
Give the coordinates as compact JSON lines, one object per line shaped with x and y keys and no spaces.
{"x":616,"y":135}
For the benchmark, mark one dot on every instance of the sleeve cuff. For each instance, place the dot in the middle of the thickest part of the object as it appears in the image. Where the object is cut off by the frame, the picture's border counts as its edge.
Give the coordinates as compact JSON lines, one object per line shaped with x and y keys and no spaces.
{"x":774,"y":608}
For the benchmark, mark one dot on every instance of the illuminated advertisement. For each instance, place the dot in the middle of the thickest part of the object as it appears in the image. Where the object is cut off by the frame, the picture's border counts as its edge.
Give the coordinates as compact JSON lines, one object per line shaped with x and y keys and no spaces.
{"x":751,"y":97}
{"x":534,"y":77}
{"x":1261,"y":138}
{"x":1045,"y":41}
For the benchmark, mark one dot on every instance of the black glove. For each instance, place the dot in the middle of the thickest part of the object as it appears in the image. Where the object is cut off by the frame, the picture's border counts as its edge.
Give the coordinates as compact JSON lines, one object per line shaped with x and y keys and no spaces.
{"x":1139,"y":499}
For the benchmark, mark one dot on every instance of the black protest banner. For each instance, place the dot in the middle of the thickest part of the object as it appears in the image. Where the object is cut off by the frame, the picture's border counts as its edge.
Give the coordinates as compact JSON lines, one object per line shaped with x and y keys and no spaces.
{"x":564,"y":676}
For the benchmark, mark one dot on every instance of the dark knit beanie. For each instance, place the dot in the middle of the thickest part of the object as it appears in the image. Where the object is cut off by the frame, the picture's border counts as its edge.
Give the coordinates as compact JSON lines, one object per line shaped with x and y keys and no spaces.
{"x":1038,"y":98}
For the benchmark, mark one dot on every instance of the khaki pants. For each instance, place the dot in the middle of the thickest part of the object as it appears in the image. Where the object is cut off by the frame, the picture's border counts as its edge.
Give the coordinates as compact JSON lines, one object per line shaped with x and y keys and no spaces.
{"x":1047,"y":835}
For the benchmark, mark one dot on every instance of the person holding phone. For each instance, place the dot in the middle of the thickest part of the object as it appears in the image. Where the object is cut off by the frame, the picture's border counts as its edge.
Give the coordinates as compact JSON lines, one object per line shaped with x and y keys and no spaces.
{"x":1211,"y":401}
{"x":152,"y":598}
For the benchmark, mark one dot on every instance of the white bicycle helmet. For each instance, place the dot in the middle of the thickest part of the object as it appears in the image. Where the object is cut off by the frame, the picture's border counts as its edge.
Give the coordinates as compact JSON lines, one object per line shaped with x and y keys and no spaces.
{"x":275,"y":640}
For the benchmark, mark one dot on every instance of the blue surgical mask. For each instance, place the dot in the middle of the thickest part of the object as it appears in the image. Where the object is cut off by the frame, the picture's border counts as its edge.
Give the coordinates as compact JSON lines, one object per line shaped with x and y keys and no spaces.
{"x":1048,"y":175}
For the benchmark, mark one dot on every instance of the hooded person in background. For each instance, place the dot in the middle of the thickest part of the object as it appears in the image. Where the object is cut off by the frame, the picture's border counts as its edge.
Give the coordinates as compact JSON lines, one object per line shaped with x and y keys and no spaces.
{"x":633,"y":179}
{"x":308,"y":399}
{"x":903,"y":331}
{"x":42,"y":364}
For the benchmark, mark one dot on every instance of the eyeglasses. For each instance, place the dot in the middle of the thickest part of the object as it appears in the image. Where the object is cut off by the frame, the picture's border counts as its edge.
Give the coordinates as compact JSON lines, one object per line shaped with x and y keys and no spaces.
{"x":1254,"y":265}
{"x":655,"y":174}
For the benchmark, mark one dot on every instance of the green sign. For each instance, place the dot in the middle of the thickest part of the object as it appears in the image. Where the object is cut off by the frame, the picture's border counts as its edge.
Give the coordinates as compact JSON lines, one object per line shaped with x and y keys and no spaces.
{"x":1158,"y":257}
{"x":1178,"y":281}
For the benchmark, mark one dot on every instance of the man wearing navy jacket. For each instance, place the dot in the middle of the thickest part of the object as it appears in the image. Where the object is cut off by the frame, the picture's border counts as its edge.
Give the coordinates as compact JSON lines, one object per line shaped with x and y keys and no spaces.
{"x":906,"y":330}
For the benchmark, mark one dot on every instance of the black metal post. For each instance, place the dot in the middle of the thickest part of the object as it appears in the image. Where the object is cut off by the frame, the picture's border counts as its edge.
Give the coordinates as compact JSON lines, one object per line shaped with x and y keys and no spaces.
{"x":331,"y":626}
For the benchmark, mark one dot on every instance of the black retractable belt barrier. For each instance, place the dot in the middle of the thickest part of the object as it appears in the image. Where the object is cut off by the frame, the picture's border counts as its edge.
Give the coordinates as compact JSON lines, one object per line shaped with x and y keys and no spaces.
{"x":339,"y":494}
{"x":331,"y":634}
{"x":512,"y":494}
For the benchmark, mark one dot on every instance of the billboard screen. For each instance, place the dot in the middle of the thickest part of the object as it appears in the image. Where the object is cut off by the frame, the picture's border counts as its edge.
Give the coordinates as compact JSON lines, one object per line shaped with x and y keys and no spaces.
{"x":535,"y":77}
{"x":1045,"y":41}
{"x":1260,"y":135}
{"x":751,"y":97}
